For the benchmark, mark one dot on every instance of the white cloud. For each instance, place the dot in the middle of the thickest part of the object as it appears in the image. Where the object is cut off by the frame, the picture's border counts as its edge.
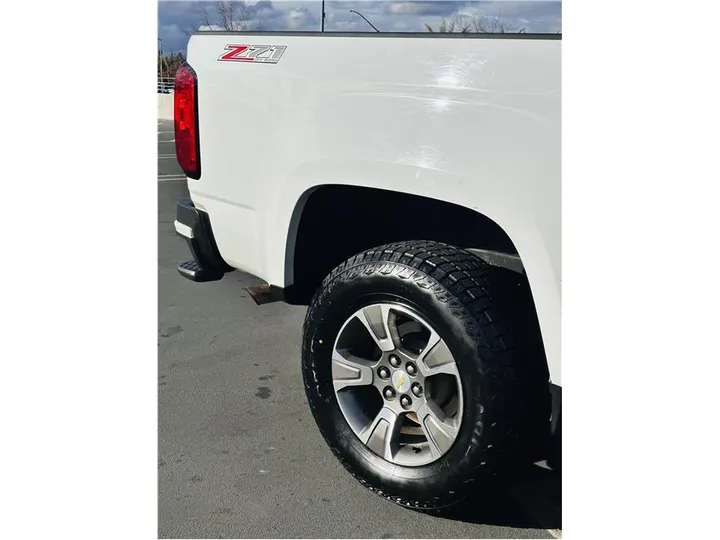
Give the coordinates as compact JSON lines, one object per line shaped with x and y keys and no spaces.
{"x":297,"y":19}
{"x":416,"y":8}
{"x":407,"y":8}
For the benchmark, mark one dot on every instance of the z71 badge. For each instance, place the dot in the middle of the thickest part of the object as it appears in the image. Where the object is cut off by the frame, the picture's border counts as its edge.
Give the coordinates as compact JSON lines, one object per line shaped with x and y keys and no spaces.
{"x":264,"y":54}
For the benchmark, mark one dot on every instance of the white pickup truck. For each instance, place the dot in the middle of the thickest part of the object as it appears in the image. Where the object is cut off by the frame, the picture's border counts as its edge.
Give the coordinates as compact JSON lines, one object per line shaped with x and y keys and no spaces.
{"x":406,"y":187}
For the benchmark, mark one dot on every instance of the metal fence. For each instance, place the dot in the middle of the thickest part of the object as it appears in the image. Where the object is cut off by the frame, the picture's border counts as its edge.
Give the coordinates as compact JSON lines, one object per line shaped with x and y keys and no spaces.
{"x":166,"y":85}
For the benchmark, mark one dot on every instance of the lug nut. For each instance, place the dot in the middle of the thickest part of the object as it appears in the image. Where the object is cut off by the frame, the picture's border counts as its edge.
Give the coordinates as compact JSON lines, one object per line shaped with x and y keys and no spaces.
{"x":411,"y":369}
{"x":388,"y":392}
{"x":417,"y":390}
{"x":405,"y":401}
{"x":394,"y":361}
{"x":384,"y":372}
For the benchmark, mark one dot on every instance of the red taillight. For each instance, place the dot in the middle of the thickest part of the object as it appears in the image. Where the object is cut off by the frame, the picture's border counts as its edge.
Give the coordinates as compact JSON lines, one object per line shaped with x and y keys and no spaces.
{"x":187,"y":145}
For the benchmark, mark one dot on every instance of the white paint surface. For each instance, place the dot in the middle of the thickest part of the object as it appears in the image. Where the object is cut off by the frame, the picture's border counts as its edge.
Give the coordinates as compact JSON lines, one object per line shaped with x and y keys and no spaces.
{"x":475,"y":122}
{"x":166,"y":105}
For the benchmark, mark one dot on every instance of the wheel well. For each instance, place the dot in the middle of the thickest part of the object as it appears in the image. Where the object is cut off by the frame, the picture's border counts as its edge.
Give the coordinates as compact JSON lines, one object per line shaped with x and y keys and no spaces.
{"x":338,"y":222}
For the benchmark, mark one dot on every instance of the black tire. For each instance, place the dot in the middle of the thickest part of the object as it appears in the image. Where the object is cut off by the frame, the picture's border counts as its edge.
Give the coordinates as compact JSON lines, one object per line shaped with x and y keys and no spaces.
{"x":486,"y":317}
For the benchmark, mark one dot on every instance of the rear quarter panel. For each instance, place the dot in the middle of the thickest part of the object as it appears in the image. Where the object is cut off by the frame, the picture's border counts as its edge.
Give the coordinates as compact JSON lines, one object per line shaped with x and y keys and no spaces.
{"x":475,"y":122}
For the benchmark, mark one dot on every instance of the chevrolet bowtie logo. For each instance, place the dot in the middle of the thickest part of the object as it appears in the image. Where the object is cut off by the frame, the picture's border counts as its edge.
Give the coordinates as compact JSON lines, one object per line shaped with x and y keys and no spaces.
{"x":400,"y":381}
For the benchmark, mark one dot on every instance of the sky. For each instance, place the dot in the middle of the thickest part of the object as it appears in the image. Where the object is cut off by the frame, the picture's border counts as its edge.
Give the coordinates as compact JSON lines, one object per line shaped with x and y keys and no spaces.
{"x":178,"y":17}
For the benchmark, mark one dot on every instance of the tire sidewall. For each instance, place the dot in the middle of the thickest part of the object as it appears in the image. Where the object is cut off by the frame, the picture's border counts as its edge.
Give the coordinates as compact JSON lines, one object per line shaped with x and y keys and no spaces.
{"x":358,"y":287}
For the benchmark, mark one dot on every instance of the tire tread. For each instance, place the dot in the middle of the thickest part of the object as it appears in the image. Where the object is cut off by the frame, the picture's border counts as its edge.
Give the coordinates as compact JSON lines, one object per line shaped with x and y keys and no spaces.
{"x":469,"y":286}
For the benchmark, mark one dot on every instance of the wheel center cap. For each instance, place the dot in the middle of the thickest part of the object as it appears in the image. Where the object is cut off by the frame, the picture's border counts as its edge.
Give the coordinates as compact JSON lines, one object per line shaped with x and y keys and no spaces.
{"x":401,"y":381}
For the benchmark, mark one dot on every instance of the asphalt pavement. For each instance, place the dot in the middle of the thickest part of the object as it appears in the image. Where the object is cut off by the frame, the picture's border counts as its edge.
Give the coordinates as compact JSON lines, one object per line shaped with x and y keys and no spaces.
{"x":167,"y":162}
{"x":239,"y":455}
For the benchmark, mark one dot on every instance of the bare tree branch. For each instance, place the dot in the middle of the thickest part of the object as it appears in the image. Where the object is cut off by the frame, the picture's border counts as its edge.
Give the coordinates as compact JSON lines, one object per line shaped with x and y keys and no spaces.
{"x":480,"y":25}
{"x":227,"y":15}
{"x":205,"y":16}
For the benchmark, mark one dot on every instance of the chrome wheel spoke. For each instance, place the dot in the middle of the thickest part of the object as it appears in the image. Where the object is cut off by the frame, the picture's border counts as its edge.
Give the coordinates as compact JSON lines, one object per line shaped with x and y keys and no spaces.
{"x":437,"y":359}
{"x":433,"y":340}
{"x":440,"y":430}
{"x":381,"y":434}
{"x":348,"y":370}
{"x":377,"y":320}
{"x":384,"y":362}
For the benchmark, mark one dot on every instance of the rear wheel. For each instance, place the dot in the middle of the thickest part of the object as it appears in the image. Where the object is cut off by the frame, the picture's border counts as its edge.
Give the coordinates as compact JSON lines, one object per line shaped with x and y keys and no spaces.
{"x":422,"y":370}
